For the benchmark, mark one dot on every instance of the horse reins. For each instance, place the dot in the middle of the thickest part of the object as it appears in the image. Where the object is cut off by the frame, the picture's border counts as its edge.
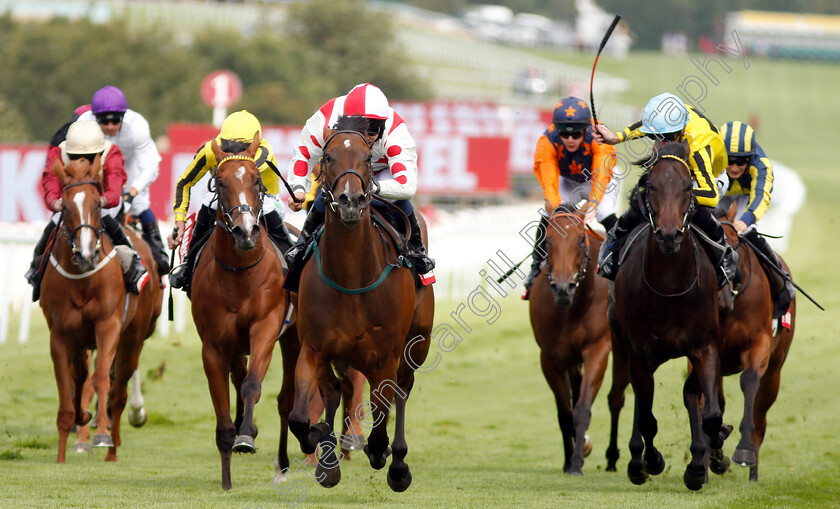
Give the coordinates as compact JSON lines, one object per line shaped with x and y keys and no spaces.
{"x":646,"y":205}
{"x":329,"y":197}
{"x":744,"y":284}
{"x":228,"y":219}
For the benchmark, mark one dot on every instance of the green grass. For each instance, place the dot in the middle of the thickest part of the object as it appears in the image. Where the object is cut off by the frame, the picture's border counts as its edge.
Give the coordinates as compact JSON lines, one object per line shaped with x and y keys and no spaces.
{"x":482,"y":430}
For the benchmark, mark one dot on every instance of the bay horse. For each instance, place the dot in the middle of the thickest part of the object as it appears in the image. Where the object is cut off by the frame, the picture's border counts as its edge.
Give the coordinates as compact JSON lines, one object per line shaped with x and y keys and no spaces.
{"x":238,"y":303}
{"x":665,"y":306}
{"x":86,"y":306}
{"x":568,"y":308}
{"x":750,"y":347}
{"x":358,"y":305}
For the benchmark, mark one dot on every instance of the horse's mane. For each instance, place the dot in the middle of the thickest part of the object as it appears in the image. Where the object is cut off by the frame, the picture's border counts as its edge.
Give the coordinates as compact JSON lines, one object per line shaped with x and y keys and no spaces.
{"x":669,"y":148}
{"x":356,"y":123}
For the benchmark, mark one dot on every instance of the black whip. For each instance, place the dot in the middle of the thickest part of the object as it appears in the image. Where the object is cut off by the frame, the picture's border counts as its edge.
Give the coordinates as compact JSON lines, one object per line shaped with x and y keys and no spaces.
{"x":592,"y":78}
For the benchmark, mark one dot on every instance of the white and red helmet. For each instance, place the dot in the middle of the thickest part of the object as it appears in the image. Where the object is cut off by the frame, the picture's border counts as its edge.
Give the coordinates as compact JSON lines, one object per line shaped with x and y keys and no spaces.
{"x":366,"y":100}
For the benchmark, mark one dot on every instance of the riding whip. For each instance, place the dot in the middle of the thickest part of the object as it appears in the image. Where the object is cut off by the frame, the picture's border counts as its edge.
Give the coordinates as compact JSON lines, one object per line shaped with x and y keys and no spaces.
{"x":511,"y":271}
{"x":288,"y":188}
{"x":592,"y":78}
{"x":779,"y":271}
{"x":172,"y":264}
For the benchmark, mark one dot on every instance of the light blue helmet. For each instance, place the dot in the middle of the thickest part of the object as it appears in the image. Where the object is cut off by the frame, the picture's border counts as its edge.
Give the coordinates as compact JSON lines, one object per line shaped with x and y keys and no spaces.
{"x":665,"y":113}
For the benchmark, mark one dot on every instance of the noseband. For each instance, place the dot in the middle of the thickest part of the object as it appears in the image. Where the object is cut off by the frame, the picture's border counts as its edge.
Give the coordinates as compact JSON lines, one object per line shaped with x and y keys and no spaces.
{"x":649,"y":211}
{"x":68,"y":233}
{"x":230,"y":215}
{"x":329,"y":187}
{"x":581,"y":272}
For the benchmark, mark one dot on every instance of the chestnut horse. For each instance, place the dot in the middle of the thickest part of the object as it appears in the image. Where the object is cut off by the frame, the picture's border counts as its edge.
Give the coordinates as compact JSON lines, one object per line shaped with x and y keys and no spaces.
{"x":358,"y":305}
{"x":86,"y":306}
{"x":666,"y":306}
{"x":568,"y":309}
{"x":748,"y":346}
{"x":238,"y":302}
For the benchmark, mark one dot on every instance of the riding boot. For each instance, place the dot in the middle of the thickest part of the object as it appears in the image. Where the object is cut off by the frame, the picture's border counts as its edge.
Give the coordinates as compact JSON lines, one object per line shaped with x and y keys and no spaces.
{"x":294,"y":256}
{"x":537,"y":257}
{"x":781,"y":287}
{"x":181,"y":276}
{"x":134,"y":274}
{"x":151,"y":234}
{"x":34,"y":274}
{"x":724,"y":258}
{"x":616,"y":237}
{"x":608,"y":222}
{"x":276,"y":229}
{"x":416,"y":248}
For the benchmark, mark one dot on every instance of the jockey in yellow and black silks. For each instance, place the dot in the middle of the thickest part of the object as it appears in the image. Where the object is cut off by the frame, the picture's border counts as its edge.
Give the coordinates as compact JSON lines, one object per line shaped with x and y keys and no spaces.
{"x":666,"y":117}
{"x":572,"y":168}
{"x":748,"y":181}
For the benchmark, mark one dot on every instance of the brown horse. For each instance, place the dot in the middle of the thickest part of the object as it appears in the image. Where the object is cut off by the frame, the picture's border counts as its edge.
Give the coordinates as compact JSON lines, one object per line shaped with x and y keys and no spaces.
{"x":568,"y":314}
{"x":86,"y":306}
{"x":358,"y":305}
{"x":238,"y":303}
{"x":666,"y":306}
{"x":748,"y":346}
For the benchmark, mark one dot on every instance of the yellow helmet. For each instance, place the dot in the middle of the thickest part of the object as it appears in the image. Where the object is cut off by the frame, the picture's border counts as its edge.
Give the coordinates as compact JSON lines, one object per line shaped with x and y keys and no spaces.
{"x":240,"y":125}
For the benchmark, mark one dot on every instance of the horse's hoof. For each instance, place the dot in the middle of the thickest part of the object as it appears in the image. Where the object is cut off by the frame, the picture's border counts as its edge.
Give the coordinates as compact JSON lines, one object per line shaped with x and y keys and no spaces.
{"x":137,"y":417}
{"x":744,"y":457}
{"x":611,"y":468}
{"x":718,"y":462}
{"x":398,"y":479}
{"x":655,"y":465}
{"x":636,"y":473}
{"x":102,"y":440}
{"x":695,"y":477}
{"x":587,"y":445}
{"x":81,"y":447}
{"x":377,"y":463}
{"x":327,"y":477}
{"x":244,"y":444}
{"x":575,"y":473}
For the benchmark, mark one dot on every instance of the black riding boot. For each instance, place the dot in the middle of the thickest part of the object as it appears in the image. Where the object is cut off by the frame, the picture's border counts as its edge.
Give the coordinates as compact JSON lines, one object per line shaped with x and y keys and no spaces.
{"x":137,"y":270}
{"x":276,"y":229}
{"x":781,"y":287}
{"x":537,"y":256}
{"x":608,"y":222}
{"x":616,"y":237}
{"x":151,"y":234}
{"x":724,"y":258}
{"x":181,"y":277}
{"x":416,"y":248}
{"x":294,"y":256}
{"x":34,"y":274}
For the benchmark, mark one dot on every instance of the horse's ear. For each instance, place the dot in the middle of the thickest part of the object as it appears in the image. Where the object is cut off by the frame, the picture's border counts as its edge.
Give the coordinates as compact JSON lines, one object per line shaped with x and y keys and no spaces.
{"x":328,"y":132}
{"x":217,"y":150}
{"x":96,"y":166}
{"x":58,"y":169}
{"x":255,"y":144}
{"x":733,"y":210}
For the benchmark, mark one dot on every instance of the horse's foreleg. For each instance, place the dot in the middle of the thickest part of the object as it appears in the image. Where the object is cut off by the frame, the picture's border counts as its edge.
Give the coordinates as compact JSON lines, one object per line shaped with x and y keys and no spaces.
{"x":80,"y":381}
{"x":136,"y":413}
{"x":706,"y":365}
{"x":217,"y":369}
{"x":641,"y":376}
{"x":558,"y":381}
{"x":382,"y":387}
{"x":695,"y":472}
{"x":83,"y":432}
{"x":307,"y":372}
{"x":768,"y":390}
{"x":754,"y":369}
{"x":60,"y":354}
{"x":328,"y":471}
{"x":289,"y":350}
{"x":125,"y":365}
{"x":352,"y":394}
{"x":620,"y":381}
{"x":595,"y":364}
{"x":107,"y":339}
{"x":399,"y":475}
{"x":238,"y":371}
{"x":263,"y":336}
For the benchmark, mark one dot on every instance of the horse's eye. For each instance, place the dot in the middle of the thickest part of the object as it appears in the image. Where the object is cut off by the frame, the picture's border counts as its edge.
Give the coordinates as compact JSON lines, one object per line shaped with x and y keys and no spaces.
{"x":327,"y":158}
{"x":582,"y":241}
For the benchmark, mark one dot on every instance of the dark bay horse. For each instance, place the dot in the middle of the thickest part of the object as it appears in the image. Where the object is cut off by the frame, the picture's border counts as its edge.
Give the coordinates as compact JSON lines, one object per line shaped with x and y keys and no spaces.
{"x":238,"y":302}
{"x":568,"y":308}
{"x":749,"y":346}
{"x":86,"y":306}
{"x":666,"y":306}
{"x":358,"y":305}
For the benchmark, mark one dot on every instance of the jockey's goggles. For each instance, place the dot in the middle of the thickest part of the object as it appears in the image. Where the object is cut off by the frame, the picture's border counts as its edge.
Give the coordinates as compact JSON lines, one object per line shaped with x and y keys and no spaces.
{"x":573,"y":135}
{"x":111,"y":117}
{"x":739,"y":160}
{"x":664,"y":136}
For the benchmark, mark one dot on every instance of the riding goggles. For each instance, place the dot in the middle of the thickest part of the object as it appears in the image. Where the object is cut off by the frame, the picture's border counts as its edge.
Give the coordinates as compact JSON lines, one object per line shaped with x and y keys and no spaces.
{"x":109,"y":118}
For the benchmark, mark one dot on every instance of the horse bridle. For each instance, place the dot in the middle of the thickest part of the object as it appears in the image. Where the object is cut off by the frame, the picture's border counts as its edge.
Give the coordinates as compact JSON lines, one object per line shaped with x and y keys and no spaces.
{"x":648,"y":211}
{"x":329,"y":187}
{"x":581,"y":272}
{"x":68,"y":234}
{"x":227,"y":213}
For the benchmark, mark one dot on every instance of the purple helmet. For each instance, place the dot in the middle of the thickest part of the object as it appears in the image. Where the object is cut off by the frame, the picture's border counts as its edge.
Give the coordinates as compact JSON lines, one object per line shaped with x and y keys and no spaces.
{"x":108,"y":99}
